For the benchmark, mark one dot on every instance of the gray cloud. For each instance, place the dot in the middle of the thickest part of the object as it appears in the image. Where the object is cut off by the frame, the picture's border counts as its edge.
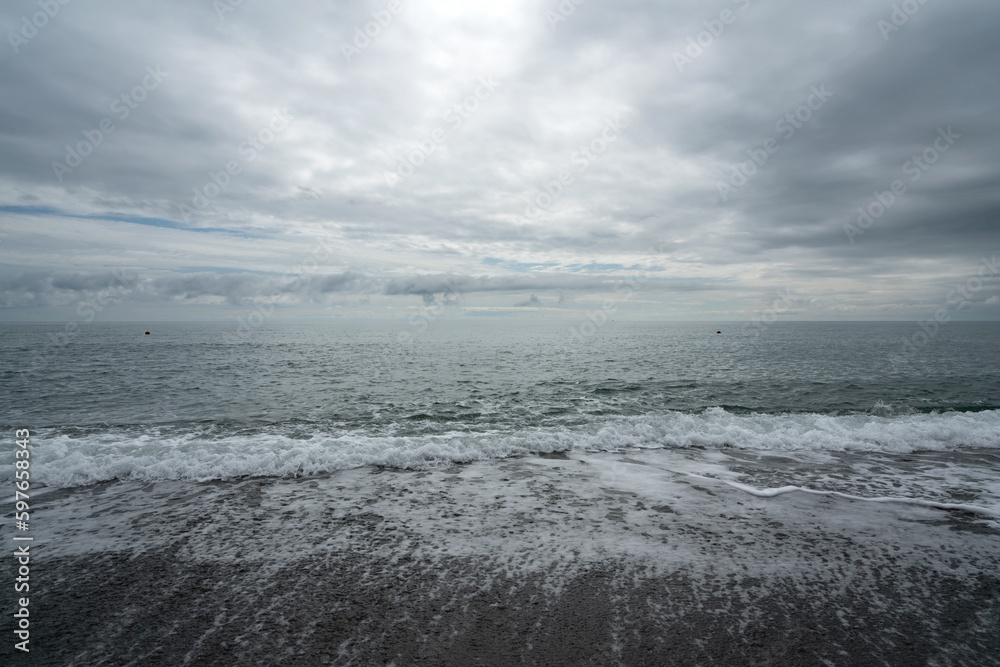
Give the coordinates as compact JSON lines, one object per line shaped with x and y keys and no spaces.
{"x":520,"y":181}
{"x":231,"y":289}
{"x":457,"y":284}
{"x":531,"y":302}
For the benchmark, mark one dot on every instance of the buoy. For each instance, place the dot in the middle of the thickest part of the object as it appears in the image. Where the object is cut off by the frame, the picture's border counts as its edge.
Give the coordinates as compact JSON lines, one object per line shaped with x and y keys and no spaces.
{"x":715,"y":332}
{"x":147,"y":333}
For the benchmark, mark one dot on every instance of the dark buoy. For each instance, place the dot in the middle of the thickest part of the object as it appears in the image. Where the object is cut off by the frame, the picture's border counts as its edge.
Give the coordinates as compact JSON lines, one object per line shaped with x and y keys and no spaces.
{"x":715,"y":332}
{"x":147,"y":333}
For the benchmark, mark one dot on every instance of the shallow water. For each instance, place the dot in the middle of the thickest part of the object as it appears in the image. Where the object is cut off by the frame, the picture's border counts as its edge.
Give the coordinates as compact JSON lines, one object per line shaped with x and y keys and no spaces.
{"x":844,"y":407}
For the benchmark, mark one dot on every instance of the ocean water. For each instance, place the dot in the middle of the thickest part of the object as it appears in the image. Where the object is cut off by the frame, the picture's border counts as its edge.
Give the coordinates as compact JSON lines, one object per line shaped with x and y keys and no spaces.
{"x":846,"y":408}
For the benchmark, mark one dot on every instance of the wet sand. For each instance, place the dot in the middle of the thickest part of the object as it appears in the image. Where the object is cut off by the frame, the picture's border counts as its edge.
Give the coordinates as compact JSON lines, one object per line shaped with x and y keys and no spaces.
{"x":587,"y":559}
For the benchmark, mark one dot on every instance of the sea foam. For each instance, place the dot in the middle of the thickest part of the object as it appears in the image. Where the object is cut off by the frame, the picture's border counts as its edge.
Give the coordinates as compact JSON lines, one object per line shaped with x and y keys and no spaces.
{"x":66,"y":460}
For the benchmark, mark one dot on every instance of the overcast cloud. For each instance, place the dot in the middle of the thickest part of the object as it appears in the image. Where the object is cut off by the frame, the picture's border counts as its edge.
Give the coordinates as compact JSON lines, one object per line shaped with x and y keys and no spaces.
{"x":521,"y":158}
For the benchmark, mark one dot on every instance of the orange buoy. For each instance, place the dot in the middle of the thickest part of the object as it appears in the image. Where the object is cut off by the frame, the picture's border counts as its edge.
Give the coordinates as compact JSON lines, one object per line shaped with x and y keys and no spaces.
{"x":147,"y":333}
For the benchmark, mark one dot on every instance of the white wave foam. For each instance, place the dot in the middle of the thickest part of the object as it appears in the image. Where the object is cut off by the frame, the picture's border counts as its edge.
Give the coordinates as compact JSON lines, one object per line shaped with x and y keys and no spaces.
{"x":788,"y":432}
{"x":64,"y":461}
{"x":771,"y":493}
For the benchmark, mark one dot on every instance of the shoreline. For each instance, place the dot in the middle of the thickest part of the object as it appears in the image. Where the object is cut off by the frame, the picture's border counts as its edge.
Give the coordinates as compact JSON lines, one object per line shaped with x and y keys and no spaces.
{"x":558,"y":559}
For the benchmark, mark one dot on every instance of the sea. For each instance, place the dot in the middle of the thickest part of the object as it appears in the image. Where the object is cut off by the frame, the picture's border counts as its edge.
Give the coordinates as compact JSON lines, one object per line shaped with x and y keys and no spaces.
{"x":875,"y":410}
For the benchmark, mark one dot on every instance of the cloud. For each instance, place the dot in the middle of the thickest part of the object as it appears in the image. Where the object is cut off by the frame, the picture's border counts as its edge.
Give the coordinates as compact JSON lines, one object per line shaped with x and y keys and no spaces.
{"x":531,"y":302}
{"x":416,"y":175}
{"x":460,"y":284}
{"x":231,"y":289}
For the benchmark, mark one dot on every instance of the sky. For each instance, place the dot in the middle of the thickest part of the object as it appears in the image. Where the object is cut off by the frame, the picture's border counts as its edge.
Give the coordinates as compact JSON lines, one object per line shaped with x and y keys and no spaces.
{"x":729,"y":160}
